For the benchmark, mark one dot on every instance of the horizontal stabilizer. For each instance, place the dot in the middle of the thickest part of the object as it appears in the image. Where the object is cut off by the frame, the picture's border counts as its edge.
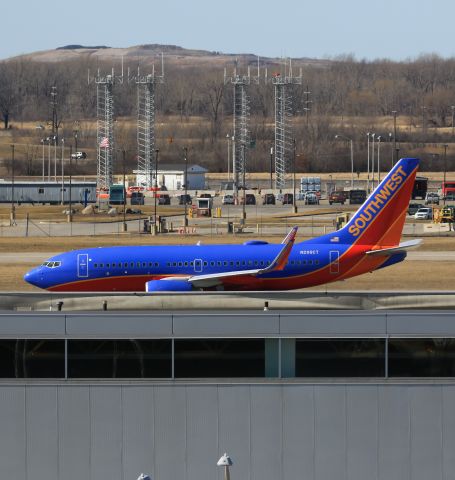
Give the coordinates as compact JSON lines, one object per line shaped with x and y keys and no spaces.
{"x":402,"y":247}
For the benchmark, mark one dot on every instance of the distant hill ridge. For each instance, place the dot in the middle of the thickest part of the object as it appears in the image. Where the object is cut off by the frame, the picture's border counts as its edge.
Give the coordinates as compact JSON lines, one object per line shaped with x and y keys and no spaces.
{"x":147,"y":53}
{"x":77,"y":47}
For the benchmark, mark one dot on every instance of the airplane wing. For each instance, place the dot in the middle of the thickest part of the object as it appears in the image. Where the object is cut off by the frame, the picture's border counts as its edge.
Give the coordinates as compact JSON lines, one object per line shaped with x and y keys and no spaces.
{"x":402,"y":247}
{"x":214,"y":279}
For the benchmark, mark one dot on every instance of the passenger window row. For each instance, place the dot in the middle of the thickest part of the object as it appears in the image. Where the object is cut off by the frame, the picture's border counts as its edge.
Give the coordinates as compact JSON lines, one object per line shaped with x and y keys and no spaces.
{"x":126,"y":265}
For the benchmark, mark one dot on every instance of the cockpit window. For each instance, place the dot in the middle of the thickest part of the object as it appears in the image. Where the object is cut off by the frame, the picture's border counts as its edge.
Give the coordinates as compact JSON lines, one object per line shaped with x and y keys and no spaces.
{"x":51,"y":264}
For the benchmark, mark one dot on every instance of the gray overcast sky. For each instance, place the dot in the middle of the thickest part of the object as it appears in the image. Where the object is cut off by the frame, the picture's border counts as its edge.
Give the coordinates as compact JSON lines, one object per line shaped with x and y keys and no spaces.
{"x":395,"y":29}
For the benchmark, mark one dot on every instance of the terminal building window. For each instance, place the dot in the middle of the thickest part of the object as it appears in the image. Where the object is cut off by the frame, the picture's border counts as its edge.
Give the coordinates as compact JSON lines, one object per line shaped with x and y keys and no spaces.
{"x":219,"y":358}
{"x":119,"y":359}
{"x":423,"y":357}
{"x":339,"y":358}
{"x":32,"y":358}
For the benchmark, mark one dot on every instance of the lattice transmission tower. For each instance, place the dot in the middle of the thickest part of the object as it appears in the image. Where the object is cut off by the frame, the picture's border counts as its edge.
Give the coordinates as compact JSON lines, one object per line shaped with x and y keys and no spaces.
{"x":105,"y":127}
{"x":284,"y":142}
{"x":240,"y":123}
{"x":146,"y":86}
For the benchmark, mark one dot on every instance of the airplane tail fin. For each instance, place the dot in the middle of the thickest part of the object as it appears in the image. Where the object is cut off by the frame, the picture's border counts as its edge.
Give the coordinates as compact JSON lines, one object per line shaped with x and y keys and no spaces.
{"x":380,"y":220}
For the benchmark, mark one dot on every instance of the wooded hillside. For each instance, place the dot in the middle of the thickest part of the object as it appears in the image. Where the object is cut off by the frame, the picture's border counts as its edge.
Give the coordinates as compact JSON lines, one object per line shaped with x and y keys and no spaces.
{"x":194,"y":107}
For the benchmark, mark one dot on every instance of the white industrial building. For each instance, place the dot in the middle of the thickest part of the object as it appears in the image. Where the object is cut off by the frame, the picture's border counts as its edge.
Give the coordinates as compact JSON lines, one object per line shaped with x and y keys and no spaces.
{"x":173,"y":177}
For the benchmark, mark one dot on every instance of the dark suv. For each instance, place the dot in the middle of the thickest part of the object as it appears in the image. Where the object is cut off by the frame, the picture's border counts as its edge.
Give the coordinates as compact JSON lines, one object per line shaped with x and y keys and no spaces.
{"x":164,"y":199}
{"x":288,"y":199}
{"x":250,"y":199}
{"x":268,"y":199}
{"x":184,"y":197}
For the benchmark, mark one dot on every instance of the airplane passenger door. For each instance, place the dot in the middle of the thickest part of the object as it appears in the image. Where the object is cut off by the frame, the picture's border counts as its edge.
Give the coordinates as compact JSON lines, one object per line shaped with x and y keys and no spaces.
{"x":197,"y":265}
{"x":82,"y":265}
{"x":334,"y":261}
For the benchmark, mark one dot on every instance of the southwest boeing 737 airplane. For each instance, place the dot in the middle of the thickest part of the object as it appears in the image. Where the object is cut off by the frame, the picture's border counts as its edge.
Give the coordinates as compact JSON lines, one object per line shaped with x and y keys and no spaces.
{"x":369,"y":241}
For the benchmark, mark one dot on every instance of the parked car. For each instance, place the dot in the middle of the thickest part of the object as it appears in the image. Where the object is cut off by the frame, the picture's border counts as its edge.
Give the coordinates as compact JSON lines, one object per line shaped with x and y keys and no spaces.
{"x":164,"y":199}
{"x":78,"y":155}
{"x":357,"y":197}
{"x":338,"y":196}
{"x":228,"y":199}
{"x":288,"y":199}
{"x":185,"y":198}
{"x":268,"y":199}
{"x":431,"y":198}
{"x":205,"y":195}
{"x":413,"y":208}
{"x":137,"y":198}
{"x":250,"y":199}
{"x":310,"y":198}
{"x":424,"y":213}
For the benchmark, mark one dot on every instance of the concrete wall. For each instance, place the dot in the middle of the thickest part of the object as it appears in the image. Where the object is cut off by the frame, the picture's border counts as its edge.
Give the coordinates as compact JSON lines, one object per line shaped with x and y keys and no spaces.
{"x":177,"y":431}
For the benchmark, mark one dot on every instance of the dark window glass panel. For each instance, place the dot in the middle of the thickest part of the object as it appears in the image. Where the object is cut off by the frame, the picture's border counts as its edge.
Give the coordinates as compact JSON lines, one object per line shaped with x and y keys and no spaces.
{"x":219,"y":358}
{"x":32,"y":358}
{"x":340,"y":358}
{"x":423,"y":357}
{"x":119,"y":359}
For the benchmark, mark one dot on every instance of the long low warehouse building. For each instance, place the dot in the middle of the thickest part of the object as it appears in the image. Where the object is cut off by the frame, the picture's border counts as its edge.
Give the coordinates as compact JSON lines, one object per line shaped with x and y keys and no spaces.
{"x":287,"y":394}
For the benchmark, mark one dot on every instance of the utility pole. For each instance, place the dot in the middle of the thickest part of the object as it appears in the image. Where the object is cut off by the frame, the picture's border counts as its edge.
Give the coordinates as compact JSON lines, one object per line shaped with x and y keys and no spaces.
{"x":271,"y":166}
{"x":379,"y":164}
{"x":368,"y":162}
{"x":228,"y":137}
{"x":394,"y":113}
{"x":13,"y":208}
{"x":244,"y":187}
{"x":294,"y":201}
{"x":125,"y":228}
{"x":155,"y":228}
{"x":372,"y":161}
{"x":63,"y":172}
{"x":445,"y":172}
{"x":70,"y":215}
{"x":185,"y":150}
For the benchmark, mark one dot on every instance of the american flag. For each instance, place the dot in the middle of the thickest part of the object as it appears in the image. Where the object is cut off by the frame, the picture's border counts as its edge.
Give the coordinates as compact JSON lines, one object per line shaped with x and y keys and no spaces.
{"x":104,"y":143}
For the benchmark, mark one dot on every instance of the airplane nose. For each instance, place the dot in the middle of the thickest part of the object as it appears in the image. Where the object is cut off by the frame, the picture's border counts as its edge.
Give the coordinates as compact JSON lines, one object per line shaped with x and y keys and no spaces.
{"x":32,"y":277}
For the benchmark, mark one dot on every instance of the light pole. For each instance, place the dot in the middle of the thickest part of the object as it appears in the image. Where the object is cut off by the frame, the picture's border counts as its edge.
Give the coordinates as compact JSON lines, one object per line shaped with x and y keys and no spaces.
{"x":226,"y":462}
{"x":13,"y":208}
{"x":453,"y":110}
{"x":244,"y":186}
{"x":42,"y":142}
{"x":271,"y":166}
{"x":155,"y":228}
{"x":424,"y":111}
{"x":445,"y":171}
{"x":368,"y":161}
{"x":379,"y":153}
{"x":63,"y":172}
{"x":352,"y":156}
{"x":48,"y":159}
{"x":372,"y":160}
{"x":55,"y":157}
{"x":125,"y":227}
{"x":294,"y":201}
{"x":185,"y":150}
{"x":75,"y":133}
{"x":391,"y":146}
{"x":70,"y":215}
{"x":394,"y":113}
{"x":228,"y":138}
